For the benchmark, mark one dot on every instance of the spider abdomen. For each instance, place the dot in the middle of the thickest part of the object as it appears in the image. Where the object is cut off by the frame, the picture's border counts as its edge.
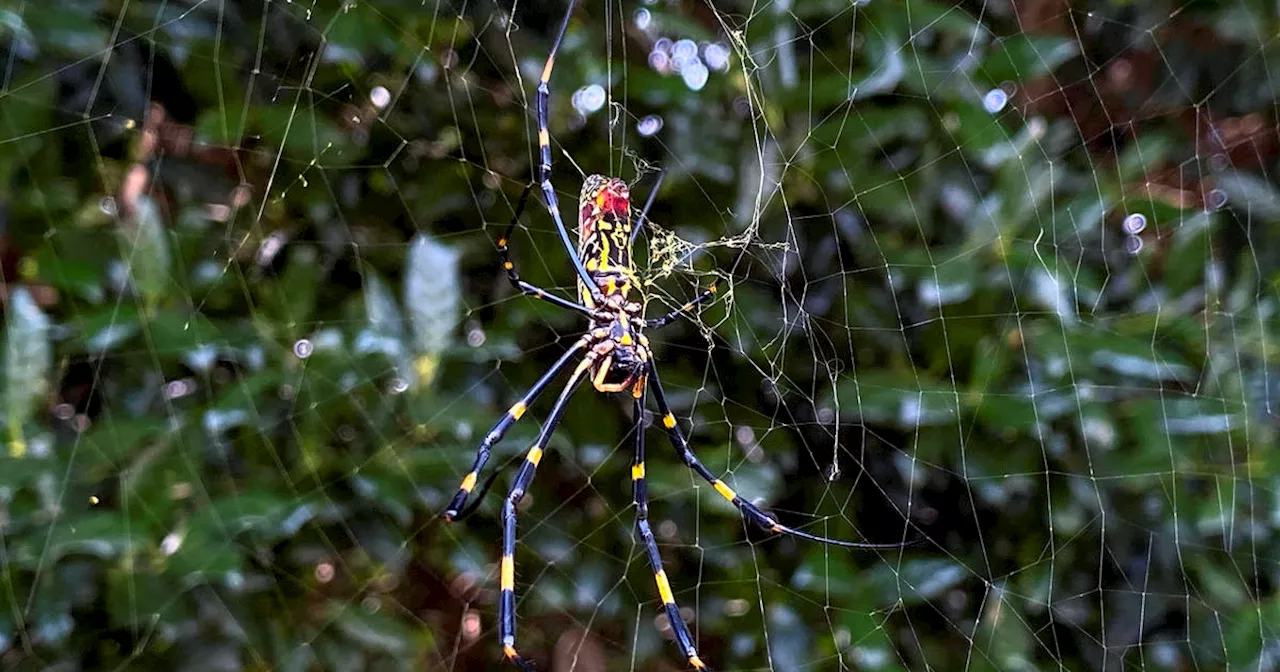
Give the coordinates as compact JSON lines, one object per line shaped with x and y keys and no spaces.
{"x":604,"y":236}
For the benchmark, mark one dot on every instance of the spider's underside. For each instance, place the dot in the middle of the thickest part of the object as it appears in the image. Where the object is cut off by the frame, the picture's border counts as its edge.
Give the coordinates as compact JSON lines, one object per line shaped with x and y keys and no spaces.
{"x":615,"y":355}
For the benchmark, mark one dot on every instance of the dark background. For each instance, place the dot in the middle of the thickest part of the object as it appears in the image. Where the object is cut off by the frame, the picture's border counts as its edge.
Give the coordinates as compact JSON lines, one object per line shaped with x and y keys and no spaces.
{"x":997,"y":277}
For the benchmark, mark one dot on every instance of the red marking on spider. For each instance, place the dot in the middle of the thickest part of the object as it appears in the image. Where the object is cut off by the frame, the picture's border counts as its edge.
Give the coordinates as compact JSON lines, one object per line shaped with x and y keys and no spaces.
{"x":615,"y":197}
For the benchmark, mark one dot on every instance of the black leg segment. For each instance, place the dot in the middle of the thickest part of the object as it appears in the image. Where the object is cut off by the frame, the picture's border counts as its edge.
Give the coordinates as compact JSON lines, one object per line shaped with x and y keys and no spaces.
{"x":641,"y":496}
{"x":504,"y":255}
{"x":500,"y":429}
{"x":750,"y":512}
{"x":507,"y":600}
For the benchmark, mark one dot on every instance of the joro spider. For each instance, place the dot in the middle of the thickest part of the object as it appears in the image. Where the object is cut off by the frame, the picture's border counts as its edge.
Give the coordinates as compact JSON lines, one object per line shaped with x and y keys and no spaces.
{"x":615,"y":353}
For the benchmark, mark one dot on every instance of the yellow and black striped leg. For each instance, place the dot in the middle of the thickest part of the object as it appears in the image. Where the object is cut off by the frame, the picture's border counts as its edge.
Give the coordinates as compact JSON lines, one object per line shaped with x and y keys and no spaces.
{"x":706,"y":295}
{"x":544,"y":164}
{"x":504,"y":255}
{"x":641,"y":496}
{"x":495,"y":435}
{"x":750,"y":512}
{"x":507,"y":600}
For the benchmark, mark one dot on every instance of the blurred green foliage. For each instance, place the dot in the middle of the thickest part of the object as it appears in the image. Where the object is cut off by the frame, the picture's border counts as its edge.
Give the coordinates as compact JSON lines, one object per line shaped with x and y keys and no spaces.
{"x":997,"y":277}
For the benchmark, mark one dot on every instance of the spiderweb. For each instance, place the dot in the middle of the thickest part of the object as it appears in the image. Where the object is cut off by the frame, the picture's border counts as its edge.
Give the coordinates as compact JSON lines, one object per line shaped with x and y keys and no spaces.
{"x":995,"y":282}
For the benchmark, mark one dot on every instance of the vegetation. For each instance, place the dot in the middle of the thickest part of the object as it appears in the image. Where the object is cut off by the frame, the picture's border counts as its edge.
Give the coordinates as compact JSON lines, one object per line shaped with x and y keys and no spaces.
{"x":996,"y":278}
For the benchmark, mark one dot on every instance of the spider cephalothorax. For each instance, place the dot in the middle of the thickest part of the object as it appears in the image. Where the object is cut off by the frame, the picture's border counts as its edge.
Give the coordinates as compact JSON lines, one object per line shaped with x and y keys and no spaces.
{"x":620,"y":358}
{"x":615,"y":354}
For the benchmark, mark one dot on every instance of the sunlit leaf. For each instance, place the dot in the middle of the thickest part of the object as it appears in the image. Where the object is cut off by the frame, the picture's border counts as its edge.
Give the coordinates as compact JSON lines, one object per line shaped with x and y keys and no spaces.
{"x":889,"y":67}
{"x":28,"y":361}
{"x":1250,"y":194}
{"x":432,"y":298}
{"x":376,"y":630}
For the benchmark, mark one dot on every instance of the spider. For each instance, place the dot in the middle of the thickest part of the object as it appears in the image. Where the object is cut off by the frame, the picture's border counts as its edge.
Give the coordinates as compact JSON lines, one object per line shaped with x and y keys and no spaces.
{"x":614,"y":354}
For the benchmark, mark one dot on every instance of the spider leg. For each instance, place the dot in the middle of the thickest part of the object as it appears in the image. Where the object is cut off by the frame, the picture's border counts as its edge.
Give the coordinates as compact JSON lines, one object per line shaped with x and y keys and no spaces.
{"x":653,"y":194}
{"x":507,"y":603}
{"x":504,"y":255}
{"x":500,"y":429}
{"x":641,"y":498}
{"x":750,"y":512}
{"x":544,"y":167}
{"x":706,"y":295}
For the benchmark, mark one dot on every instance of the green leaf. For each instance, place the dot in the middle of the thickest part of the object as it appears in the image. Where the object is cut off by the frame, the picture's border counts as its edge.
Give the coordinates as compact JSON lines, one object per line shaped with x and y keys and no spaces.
{"x":24,"y":114}
{"x":203,"y":553}
{"x":1147,"y":150}
{"x":1003,"y":640}
{"x":28,"y":362}
{"x":259,"y":511}
{"x":1024,"y":56}
{"x":295,"y":294}
{"x":144,"y":245}
{"x":870,"y":644}
{"x":190,"y":334}
{"x":113,"y":440}
{"x":915,"y":581}
{"x":1248,"y":630}
{"x":142,"y":599}
{"x":68,"y":269}
{"x":241,"y":404}
{"x":103,"y":330}
{"x":1191,"y":246}
{"x":104,"y":535}
{"x":898,"y":400}
{"x":70,"y":34}
{"x":307,"y":134}
{"x":1127,"y":356}
{"x":981,"y":134}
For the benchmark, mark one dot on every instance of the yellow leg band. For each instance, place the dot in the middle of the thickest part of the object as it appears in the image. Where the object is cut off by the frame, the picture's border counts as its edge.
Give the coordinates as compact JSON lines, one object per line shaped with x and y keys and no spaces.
{"x":637,"y":471}
{"x":469,"y":482}
{"x":508,"y":573}
{"x":664,"y":587}
{"x":535,"y":455}
{"x":725,"y":491}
